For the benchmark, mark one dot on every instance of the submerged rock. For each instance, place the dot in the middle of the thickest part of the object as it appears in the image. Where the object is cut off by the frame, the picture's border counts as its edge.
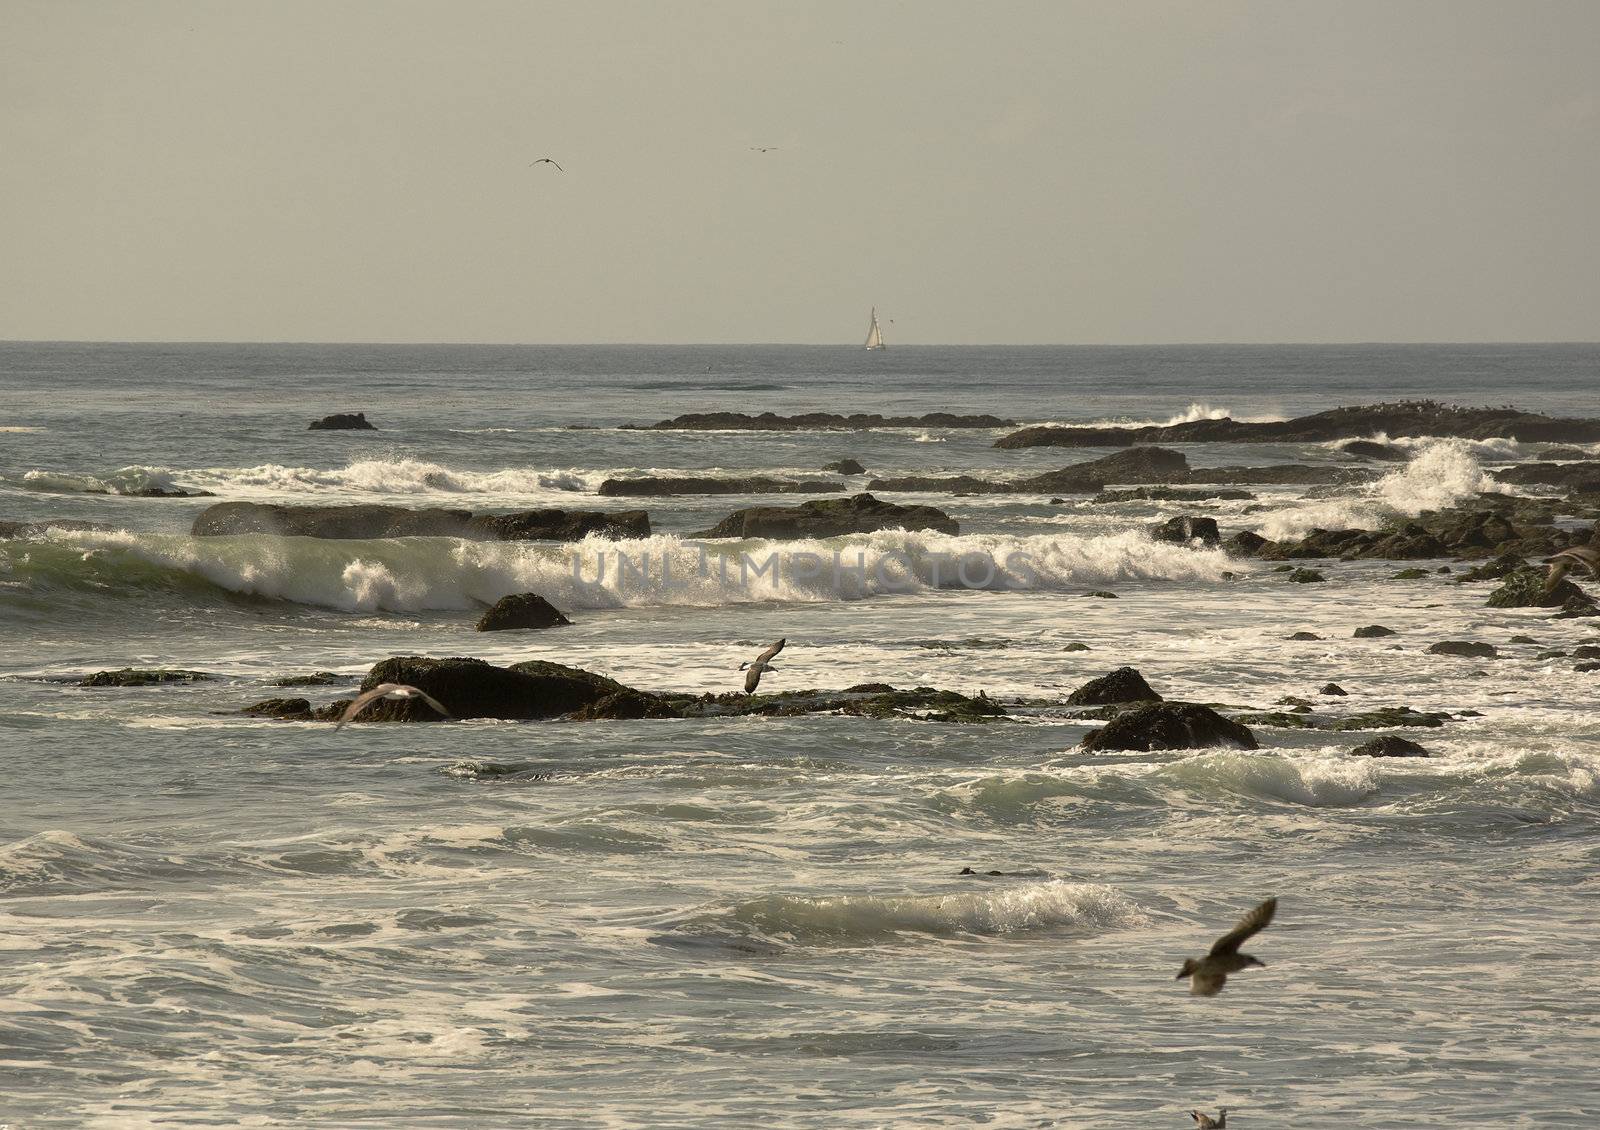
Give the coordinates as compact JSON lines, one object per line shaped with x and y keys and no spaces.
{"x":288,"y":709}
{"x":818,"y":421}
{"x":1373,"y":631}
{"x":1306,"y":576}
{"x":1305,"y":636}
{"x":1169,"y":725}
{"x":1136,"y":465}
{"x":521,"y":610}
{"x":376,"y":521}
{"x":1389,"y":745}
{"x":343,"y":422}
{"x":1368,"y":449}
{"x":315,"y":679}
{"x":845,"y":467}
{"x":143,"y":677}
{"x":831,"y":517}
{"x":1125,"y":684}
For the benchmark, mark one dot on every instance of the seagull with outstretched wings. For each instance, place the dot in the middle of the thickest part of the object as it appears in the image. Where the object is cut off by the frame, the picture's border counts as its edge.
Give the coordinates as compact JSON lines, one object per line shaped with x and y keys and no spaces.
{"x":388,"y":690}
{"x":546,"y":161}
{"x":1209,"y":973}
{"x":753,"y":671}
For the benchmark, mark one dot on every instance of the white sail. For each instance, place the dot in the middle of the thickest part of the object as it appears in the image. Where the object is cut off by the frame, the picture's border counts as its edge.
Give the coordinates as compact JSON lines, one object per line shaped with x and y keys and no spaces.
{"x":875,"y":334}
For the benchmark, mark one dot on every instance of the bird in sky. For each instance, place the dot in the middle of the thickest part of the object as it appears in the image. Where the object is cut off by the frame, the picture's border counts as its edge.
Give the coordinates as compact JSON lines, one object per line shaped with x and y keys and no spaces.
{"x":763,"y":148}
{"x":1210,"y":972}
{"x":754,"y":670}
{"x":388,"y":690}
{"x":546,"y":161}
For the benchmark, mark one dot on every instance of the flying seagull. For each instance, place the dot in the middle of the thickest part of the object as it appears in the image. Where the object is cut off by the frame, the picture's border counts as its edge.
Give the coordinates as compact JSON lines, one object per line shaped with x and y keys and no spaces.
{"x":546,"y":161}
{"x":1205,"y":1122}
{"x":763,"y":148}
{"x":1211,"y":971}
{"x":388,"y":690}
{"x":752,"y":677}
{"x":1586,"y":557}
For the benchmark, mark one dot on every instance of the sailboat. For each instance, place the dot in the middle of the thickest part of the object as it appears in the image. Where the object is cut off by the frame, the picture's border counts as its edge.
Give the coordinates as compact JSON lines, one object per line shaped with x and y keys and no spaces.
{"x":875,"y":334}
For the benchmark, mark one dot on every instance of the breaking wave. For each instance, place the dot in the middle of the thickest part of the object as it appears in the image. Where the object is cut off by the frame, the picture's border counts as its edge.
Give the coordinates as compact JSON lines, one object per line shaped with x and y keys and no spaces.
{"x":1445,"y":472}
{"x":414,"y":574}
{"x":855,"y":919}
{"x":125,"y":480}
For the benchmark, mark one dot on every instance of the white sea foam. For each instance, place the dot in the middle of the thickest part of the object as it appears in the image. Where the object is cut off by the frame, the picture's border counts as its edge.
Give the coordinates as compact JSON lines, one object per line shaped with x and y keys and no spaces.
{"x":20,"y":429}
{"x":1198,"y":410}
{"x":125,"y":480}
{"x":1316,"y":782}
{"x":1444,"y":473}
{"x":399,"y":476}
{"x":413,"y":574}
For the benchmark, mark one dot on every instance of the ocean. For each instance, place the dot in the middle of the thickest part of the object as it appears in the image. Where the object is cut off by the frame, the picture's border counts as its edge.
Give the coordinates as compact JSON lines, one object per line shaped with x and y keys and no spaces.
{"x":211,"y":919}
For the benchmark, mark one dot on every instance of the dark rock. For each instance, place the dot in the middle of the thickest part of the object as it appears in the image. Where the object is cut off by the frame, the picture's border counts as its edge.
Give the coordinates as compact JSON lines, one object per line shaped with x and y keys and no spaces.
{"x":1245,"y":543}
{"x":1373,"y":631}
{"x":1136,"y":465}
{"x":1102,"y":594}
{"x":1406,"y":544}
{"x":1334,"y":689}
{"x":950,"y":484}
{"x":1305,"y":636}
{"x":375,"y":521}
{"x":831,"y":517}
{"x":1469,"y":648}
{"x":143,"y":677}
{"x":1586,"y":667}
{"x":846,"y":467}
{"x":1389,"y":745}
{"x":1553,"y":653}
{"x":1406,"y":418}
{"x":1477,"y":531}
{"x":1574,"y":476}
{"x":655,"y":487}
{"x":1526,"y":588}
{"x":1285,"y":474}
{"x":1383,"y":452}
{"x":1522,"y":639}
{"x":1317,"y":544}
{"x":1495,"y":569}
{"x":817,"y":421}
{"x":1409,"y":575}
{"x":521,"y":610}
{"x":1125,"y":684}
{"x":1170,"y":494}
{"x":1305,"y":576}
{"x":1169,"y":725}
{"x":1076,"y":646}
{"x":471,"y":688}
{"x":343,"y":422}
{"x":1187,"y":528}
{"x":1586,"y":651}
{"x":315,"y":679}
{"x":624,"y":705}
{"x":1057,"y":501}
{"x":291,"y":709}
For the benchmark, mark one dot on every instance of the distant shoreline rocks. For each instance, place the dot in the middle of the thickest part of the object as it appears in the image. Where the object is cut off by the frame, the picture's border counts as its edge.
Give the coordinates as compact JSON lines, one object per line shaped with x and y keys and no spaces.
{"x":815,"y":421}
{"x":343,"y":422}
{"x":829,"y":517}
{"x":376,"y":521}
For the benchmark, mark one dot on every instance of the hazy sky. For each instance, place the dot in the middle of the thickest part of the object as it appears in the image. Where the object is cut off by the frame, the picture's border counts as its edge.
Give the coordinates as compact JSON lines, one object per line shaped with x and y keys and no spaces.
{"x":1219,"y":170}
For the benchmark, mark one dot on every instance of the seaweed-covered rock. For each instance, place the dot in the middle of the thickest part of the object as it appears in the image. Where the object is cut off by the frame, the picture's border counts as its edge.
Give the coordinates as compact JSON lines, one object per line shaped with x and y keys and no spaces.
{"x":1495,"y":569}
{"x":1471,"y":649}
{"x":624,"y":705}
{"x":829,"y":517}
{"x":1305,"y":576}
{"x":521,"y":610}
{"x":471,"y":688}
{"x":1136,"y":465}
{"x":1527,"y":588}
{"x":1305,"y":636}
{"x":1169,"y":725}
{"x":1125,"y":684}
{"x":1389,"y":745}
{"x":289,"y":709}
{"x":1373,"y":631}
{"x":1245,"y":543}
{"x":143,"y":677}
{"x":343,"y":422}
{"x":315,"y":679}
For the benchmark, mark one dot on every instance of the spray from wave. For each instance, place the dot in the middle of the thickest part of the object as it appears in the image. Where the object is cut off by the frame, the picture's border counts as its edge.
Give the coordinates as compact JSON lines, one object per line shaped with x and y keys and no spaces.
{"x":1446,"y":472}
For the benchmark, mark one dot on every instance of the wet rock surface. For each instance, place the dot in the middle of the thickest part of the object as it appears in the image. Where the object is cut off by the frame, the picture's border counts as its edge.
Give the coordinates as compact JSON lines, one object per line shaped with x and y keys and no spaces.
{"x":1169,"y":725}
{"x":832,"y":517}
{"x":144,"y":677}
{"x":1125,"y":684}
{"x":343,"y":422}
{"x":754,"y":484}
{"x":521,"y":610}
{"x":808,"y":421}
{"x":1389,"y":745}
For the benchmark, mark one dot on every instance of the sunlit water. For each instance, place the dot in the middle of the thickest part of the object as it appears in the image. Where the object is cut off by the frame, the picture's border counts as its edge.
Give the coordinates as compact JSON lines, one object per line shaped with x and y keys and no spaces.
{"x":213,"y":920}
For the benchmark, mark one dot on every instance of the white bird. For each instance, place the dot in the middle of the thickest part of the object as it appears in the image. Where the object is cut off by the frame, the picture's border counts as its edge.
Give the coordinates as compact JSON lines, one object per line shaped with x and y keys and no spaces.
{"x":1586,"y":557}
{"x":1205,"y":1122}
{"x":546,"y":161}
{"x":388,"y":690}
{"x":1211,"y":971}
{"x":753,"y":678}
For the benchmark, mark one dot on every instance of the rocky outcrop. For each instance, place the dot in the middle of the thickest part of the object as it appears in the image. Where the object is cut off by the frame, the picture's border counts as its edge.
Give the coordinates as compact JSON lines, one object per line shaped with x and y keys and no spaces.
{"x":1373,"y":631}
{"x":1188,"y":528}
{"x":143,"y":677}
{"x":1169,"y":725}
{"x":374,"y":521}
{"x":818,"y":421}
{"x":343,"y":422}
{"x":1305,"y":576}
{"x":1530,"y":588}
{"x":471,"y":688}
{"x":1370,"y":449}
{"x":654,"y":487}
{"x":1136,"y":465}
{"x":1406,"y":418}
{"x":845,"y":467}
{"x":521,"y":610}
{"x":1125,"y":684}
{"x":946,"y":484}
{"x":1583,"y":477}
{"x":1389,"y":745}
{"x":1171,"y":494}
{"x":831,"y":517}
